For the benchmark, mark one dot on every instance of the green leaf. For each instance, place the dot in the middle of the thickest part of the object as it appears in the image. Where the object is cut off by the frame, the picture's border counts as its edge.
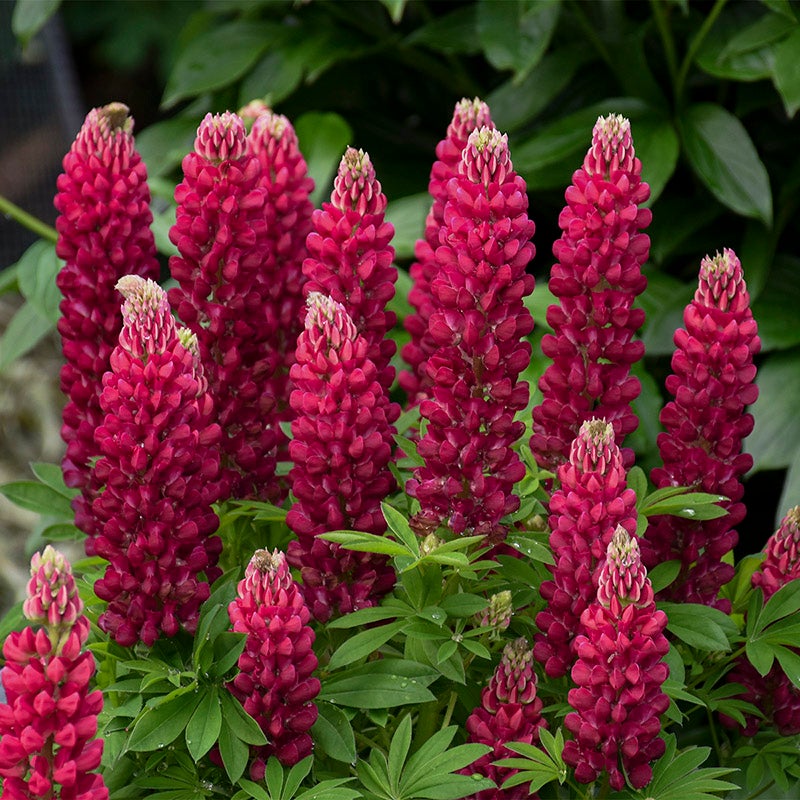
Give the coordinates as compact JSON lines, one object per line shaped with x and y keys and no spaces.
{"x":662,"y":575}
{"x":323,"y":138}
{"x":777,"y":307}
{"x":218,"y":57}
{"x":51,"y":475}
{"x":333,"y":733}
{"x":689,"y":505}
{"x":723,"y":156}
{"x":37,"y":497}
{"x":408,"y":217}
{"x":515,"y":35}
{"x":699,"y":626}
{"x":463,"y":604}
{"x":160,"y":726}
{"x":366,"y":543}
{"x":375,"y":691}
{"x":784,"y":602}
{"x":30,"y":16}
{"x":234,"y":752}
{"x":657,"y":146}
{"x":398,"y":751}
{"x":295,"y":777}
{"x":228,"y":646}
{"x":26,"y":329}
{"x":275,"y":76}
{"x":36,"y":274}
{"x":786,"y":71}
{"x":761,"y":655}
{"x":790,"y":663}
{"x":399,"y":526}
{"x":240,"y":722}
{"x":63,"y":532}
{"x":454,"y":32}
{"x":395,"y":9}
{"x":162,"y":146}
{"x":637,"y":481}
{"x":365,"y":616}
{"x":364,"y":643}
{"x":205,"y":724}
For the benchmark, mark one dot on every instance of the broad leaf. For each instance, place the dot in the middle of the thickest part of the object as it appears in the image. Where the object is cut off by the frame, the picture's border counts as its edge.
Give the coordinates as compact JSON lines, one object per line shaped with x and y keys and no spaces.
{"x":160,"y":726}
{"x":205,"y":724}
{"x":30,"y":16}
{"x":323,"y":138}
{"x":333,"y":733}
{"x":786,"y":71}
{"x":699,"y":626}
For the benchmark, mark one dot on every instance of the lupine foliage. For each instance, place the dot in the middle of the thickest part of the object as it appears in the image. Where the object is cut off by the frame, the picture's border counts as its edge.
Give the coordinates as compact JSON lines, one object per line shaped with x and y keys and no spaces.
{"x":400,"y":678}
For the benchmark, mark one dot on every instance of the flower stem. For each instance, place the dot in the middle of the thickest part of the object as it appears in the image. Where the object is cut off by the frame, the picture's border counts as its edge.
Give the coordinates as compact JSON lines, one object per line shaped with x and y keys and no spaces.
{"x":694,"y":46}
{"x":27,"y":220}
{"x":667,"y":39}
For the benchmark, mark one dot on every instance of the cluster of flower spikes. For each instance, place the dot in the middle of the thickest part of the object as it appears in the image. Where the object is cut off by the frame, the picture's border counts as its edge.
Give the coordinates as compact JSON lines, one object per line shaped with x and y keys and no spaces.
{"x":774,"y":693}
{"x":287,"y":211}
{"x":275,"y":683}
{"x":597,"y":278}
{"x":618,"y":674}
{"x":510,"y":711}
{"x":103,"y":233}
{"x":157,"y":475}
{"x":49,"y":719}
{"x":341,"y":448}
{"x":350,"y":258}
{"x":479,"y":324}
{"x":222,"y":297}
{"x":468,"y":116}
{"x":704,"y":426}
{"x":590,"y":503}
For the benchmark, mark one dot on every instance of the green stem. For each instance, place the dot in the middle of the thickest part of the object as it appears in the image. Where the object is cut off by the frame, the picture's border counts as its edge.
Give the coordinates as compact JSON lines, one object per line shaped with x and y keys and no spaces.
{"x":27,"y":220}
{"x":451,"y":705}
{"x":714,"y":735}
{"x":590,"y":33}
{"x":664,"y":30}
{"x":761,"y":790}
{"x":694,"y":46}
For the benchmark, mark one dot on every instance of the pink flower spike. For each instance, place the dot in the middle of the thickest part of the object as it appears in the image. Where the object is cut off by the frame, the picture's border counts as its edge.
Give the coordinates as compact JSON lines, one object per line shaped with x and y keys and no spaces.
{"x":156,"y":478}
{"x":510,"y":711}
{"x":341,"y":449}
{"x":103,"y":233}
{"x":596,"y":280}
{"x":619,"y":673}
{"x":351,"y":259}
{"x":468,"y":116}
{"x":591,"y":502}
{"x":712,"y":382}
{"x":480,"y":326}
{"x":275,"y":683}
{"x":782,"y":562}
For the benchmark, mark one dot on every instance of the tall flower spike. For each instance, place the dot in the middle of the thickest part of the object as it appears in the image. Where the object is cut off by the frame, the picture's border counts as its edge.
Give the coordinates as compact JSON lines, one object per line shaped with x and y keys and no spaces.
{"x":774,"y":693}
{"x":619,"y":673}
{"x":156,"y":478}
{"x":341,"y":449}
{"x":479,"y":324}
{"x":350,"y":258}
{"x":509,"y":711}
{"x":468,"y":115}
{"x":222,"y":297}
{"x":713,"y":380}
{"x":103,"y":233}
{"x":49,"y":718}
{"x":596,"y":280}
{"x":287,"y":212}
{"x":593,"y":499}
{"x":275,"y":683}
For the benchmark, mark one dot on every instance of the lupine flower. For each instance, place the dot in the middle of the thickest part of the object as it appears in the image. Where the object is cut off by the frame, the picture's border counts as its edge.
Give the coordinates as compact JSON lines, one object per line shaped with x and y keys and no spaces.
{"x":774,"y":693}
{"x":341,"y":449}
{"x":593,"y":499}
{"x":103,"y":233}
{"x":275,"y":683}
{"x":287,"y":211}
{"x":480,"y":325}
{"x":220,"y":233}
{"x":619,"y":673}
{"x":712,"y":383}
{"x":468,"y":116}
{"x":350,"y":258}
{"x":509,"y":711}
{"x":498,"y":613}
{"x":157,"y":476}
{"x":596,"y":280}
{"x":49,"y":719}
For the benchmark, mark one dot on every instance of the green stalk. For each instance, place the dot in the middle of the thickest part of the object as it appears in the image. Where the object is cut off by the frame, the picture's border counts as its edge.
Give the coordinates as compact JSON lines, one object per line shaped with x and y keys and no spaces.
{"x":694,"y":46}
{"x":27,"y":220}
{"x":664,"y":30}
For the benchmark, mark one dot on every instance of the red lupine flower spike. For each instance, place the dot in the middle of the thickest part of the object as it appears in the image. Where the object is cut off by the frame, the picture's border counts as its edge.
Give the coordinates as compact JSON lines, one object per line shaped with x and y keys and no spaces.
{"x":774,"y":693}
{"x":468,"y":116}
{"x":103,"y":233}
{"x":275,"y":683}
{"x":619,"y":673}
{"x":222,"y":297}
{"x":596,"y":280}
{"x":705,"y":425}
{"x":341,"y":448}
{"x":49,"y":718}
{"x":350,"y":258}
{"x":480,"y":325}
{"x":593,"y":499}
{"x":510,"y":711}
{"x":287,"y":212}
{"x":157,"y":476}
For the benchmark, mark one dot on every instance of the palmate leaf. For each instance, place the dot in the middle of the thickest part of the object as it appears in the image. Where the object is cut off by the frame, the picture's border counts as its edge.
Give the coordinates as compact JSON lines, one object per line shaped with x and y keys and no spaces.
{"x":680,"y":777}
